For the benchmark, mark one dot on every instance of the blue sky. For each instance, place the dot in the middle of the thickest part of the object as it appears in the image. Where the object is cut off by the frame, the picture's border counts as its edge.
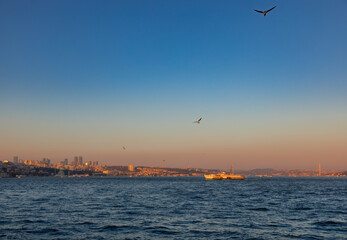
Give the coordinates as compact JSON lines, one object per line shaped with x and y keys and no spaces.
{"x":120,"y":71}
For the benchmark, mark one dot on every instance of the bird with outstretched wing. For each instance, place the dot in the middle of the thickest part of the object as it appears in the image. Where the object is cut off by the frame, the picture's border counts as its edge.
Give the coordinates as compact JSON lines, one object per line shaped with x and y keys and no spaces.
{"x":264,"y":12}
{"x":198,"y":121}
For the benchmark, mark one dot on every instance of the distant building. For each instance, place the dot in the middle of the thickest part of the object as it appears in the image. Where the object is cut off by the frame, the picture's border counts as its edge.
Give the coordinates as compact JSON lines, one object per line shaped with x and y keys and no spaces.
{"x":131,"y":168}
{"x":95,"y":163}
{"x":65,"y":162}
{"x":15,"y":159}
{"x":44,"y":161}
{"x":75,"y":162}
{"x":80,"y":160}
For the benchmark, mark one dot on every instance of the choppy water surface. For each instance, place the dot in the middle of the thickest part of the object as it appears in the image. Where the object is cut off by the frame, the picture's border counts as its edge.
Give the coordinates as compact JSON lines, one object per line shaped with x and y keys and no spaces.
{"x":173,"y":208}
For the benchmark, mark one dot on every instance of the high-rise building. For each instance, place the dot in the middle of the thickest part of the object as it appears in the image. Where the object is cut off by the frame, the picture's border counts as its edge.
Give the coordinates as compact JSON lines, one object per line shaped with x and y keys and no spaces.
{"x":75,"y":162}
{"x":80,"y":160}
{"x":66,"y":161}
{"x":15,"y":159}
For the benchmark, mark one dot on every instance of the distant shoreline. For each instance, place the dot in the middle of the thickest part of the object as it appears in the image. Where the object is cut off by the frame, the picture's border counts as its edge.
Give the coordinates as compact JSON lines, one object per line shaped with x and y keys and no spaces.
{"x":110,"y":176}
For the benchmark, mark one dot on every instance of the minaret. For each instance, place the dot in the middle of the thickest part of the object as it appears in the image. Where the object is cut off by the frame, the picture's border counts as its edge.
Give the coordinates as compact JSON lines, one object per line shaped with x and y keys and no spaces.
{"x":319,"y":171}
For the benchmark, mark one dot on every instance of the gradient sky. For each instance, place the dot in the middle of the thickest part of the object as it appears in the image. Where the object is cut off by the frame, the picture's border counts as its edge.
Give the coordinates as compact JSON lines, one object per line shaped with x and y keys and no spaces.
{"x":88,"y":77}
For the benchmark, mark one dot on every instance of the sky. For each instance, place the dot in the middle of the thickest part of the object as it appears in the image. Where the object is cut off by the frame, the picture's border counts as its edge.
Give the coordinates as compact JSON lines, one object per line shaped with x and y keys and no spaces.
{"x":89,"y":77}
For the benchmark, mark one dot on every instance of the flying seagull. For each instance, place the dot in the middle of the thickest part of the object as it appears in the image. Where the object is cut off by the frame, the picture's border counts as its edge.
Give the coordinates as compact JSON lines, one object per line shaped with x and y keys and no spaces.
{"x":264,"y":12}
{"x":198,"y":121}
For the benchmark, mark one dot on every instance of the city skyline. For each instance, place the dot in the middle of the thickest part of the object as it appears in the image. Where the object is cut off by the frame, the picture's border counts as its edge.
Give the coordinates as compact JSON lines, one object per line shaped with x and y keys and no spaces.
{"x":78,"y":161}
{"x":85,"y":78}
{"x":76,"y":168}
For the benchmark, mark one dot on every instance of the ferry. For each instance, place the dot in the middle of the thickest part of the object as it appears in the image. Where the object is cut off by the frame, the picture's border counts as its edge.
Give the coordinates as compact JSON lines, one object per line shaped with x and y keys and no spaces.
{"x":224,"y":176}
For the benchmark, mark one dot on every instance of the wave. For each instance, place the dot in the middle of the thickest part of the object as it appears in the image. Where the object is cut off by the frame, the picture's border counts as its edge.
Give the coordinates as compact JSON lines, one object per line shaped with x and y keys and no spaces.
{"x":43,"y":231}
{"x":302,"y":208}
{"x":162,"y":230}
{"x":259,"y":209}
{"x":119,"y":227}
{"x":329,"y":223}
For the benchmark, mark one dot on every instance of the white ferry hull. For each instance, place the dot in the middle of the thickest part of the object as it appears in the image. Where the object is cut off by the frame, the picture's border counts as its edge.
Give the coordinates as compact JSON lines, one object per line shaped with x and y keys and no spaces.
{"x":224,"y":177}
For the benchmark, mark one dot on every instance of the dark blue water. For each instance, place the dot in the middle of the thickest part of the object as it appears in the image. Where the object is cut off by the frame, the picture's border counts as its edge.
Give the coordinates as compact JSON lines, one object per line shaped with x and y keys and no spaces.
{"x":173,"y":208}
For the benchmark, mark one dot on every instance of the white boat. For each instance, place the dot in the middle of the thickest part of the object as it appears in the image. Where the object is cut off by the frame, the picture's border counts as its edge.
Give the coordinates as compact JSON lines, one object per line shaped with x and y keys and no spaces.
{"x":224,"y":176}
{"x":213,"y":177}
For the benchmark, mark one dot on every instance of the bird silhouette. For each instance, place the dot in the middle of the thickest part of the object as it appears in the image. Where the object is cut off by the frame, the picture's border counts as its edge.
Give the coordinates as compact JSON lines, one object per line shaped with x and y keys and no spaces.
{"x":198,"y":121}
{"x":264,"y":12}
{"x":123,"y":148}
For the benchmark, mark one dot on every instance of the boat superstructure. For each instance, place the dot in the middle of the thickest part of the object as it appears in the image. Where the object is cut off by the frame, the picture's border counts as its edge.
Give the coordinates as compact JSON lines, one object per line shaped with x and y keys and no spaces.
{"x":225,"y":176}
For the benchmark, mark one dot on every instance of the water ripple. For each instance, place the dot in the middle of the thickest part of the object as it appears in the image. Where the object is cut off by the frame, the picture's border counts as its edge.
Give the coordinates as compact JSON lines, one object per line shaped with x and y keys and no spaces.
{"x":172,"y":208}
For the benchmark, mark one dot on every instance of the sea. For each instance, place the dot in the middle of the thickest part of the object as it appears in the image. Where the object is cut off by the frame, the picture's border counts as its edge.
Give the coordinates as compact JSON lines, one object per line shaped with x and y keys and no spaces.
{"x":173,"y":208}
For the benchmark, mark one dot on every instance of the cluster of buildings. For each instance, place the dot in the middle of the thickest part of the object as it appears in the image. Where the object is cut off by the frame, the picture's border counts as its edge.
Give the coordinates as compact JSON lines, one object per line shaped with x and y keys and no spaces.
{"x":44,"y":167}
{"x":154,"y":171}
{"x":293,"y":173}
{"x":76,"y":164}
{"x":45,"y":162}
{"x":21,"y":168}
{"x":78,"y":167}
{"x":10,"y":169}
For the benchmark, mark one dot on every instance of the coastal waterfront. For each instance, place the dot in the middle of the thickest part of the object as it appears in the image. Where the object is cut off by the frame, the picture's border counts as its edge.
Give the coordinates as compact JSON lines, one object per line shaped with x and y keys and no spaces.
{"x":9,"y":169}
{"x":173,"y":208}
